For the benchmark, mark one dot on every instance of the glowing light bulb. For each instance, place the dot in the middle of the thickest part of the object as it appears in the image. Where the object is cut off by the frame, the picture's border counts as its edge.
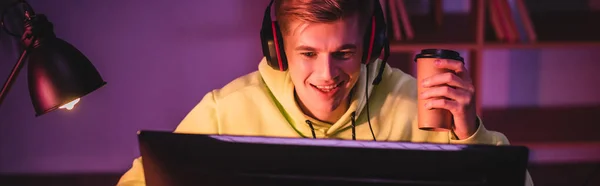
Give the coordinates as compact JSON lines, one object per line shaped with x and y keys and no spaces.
{"x":70,"y":105}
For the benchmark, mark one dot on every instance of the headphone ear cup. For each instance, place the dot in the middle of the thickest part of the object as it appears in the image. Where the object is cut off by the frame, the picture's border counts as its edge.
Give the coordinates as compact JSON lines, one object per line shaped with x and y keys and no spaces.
{"x":380,"y":38}
{"x":272,"y":46}
{"x":368,"y":44}
{"x":279,"y":48}
{"x":375,"y":37}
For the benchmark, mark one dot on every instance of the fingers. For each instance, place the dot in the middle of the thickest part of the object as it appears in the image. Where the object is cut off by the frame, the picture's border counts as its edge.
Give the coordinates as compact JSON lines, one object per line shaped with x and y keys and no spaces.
{"x":449,"y":79}
{"x":453,"y":106}
{"x":460,"y":96}
{"x":455,"y":66}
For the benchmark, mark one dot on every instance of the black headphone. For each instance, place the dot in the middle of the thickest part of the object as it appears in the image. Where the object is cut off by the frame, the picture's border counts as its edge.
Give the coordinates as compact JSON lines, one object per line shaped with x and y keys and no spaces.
{"x":375,"y":39}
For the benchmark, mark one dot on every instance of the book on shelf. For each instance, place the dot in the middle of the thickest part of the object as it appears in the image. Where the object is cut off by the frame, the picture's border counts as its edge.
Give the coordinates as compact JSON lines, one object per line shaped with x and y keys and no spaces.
{"x":406,"y":24}
{"x":503,"y":12}
{"x":511,"y":21}
{"x":523,"y":13}
{"x":397,"y":30}
{"x":496,"y":21}
{"x":400,"y":21}
{"x":437,"y":9}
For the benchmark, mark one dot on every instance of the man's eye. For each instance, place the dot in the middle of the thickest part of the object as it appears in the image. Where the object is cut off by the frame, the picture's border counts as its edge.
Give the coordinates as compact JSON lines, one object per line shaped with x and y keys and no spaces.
{"x":309,"y":54}
{"x":343,"y":55}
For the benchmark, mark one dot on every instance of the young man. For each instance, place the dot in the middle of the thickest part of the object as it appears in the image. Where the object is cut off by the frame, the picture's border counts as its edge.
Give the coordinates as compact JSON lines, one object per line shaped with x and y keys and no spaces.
{"x":322,"y":91}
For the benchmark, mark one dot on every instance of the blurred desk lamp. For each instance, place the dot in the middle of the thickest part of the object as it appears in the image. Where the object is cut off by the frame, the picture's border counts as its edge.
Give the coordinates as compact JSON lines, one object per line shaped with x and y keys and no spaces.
{"x":58,"y":74}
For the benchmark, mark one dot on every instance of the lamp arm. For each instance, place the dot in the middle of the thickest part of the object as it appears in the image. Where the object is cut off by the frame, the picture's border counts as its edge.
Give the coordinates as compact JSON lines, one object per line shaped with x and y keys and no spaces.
{"x":21,"y":61}
{"x":13,"y":75}
{"x":30,"y":41}
{"x":29,"y":38}
{"x":26,"y":7}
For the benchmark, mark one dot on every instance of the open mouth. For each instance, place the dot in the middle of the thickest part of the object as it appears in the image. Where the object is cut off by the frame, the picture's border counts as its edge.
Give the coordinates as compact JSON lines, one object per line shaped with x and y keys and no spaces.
{"x":327,"y":88}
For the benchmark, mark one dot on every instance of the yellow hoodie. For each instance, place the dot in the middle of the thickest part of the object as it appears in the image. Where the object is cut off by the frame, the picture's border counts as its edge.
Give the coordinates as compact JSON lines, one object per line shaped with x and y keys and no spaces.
{"x":262,"y":103}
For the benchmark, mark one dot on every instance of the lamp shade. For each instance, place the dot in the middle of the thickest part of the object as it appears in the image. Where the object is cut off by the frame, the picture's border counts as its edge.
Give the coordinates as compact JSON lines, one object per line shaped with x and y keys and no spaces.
{"x":58,"y":73}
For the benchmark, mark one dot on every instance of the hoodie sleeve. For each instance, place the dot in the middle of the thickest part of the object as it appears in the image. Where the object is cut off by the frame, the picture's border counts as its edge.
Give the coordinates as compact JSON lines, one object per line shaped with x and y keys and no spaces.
{"x":481,"y":136}
{"x":201,"y":119}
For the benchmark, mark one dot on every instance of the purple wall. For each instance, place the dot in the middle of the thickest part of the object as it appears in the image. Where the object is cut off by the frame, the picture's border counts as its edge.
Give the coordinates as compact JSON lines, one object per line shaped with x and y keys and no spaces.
{"x":160,"y":57}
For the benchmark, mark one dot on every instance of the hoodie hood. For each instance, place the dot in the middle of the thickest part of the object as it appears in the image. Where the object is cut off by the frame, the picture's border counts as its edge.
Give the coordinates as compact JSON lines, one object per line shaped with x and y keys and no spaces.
{"x":281,"y":88}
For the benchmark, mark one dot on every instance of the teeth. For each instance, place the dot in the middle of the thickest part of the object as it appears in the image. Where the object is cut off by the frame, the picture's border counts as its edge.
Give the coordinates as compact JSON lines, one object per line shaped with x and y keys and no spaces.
{"x":326,"y":88}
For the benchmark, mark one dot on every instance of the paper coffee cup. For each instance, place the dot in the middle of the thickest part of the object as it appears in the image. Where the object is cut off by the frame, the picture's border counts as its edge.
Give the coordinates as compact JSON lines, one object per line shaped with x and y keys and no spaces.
{"x":433,"y":119}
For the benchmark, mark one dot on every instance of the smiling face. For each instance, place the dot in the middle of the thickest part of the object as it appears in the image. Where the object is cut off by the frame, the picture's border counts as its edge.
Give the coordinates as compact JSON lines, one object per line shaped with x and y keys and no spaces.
{"x":324,"y":64}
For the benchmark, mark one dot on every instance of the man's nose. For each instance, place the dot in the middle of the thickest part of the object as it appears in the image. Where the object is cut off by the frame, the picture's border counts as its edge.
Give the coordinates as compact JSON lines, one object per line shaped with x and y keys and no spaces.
{"x":326,"y":68}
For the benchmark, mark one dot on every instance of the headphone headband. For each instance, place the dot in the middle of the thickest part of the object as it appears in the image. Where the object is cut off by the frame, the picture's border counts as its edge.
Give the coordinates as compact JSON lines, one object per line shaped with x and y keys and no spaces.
{"x":267,"y":17}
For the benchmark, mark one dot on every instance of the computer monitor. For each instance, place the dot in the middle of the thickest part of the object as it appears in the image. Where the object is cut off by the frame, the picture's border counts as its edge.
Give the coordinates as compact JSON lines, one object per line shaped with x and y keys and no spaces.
{"x":193,"y":159}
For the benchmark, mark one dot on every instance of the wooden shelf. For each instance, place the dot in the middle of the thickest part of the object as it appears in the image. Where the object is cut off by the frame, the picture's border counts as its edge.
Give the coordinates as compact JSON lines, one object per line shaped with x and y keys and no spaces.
{"x":567,"y":26}
{"x":556,"y":24}
{"x":545,"y":124}
{"x":561,"y":26}
{"x":410,"y":47}
{"x":539,"y":45}
{"x":563,"y":152}
{"x":457,"y":28}
{"x":540,"y":129}
{"x":473,"y":30}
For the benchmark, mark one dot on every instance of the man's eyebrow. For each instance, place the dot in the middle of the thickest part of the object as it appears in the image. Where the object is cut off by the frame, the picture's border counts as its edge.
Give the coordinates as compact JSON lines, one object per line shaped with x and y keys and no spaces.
{"x":343,"y":47}
{"x":347,"y":46}
{"x":304,"y":47}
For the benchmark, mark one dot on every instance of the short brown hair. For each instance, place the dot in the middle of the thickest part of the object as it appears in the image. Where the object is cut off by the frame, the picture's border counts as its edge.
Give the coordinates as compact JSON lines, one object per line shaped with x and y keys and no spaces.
{"x":322,"y":11}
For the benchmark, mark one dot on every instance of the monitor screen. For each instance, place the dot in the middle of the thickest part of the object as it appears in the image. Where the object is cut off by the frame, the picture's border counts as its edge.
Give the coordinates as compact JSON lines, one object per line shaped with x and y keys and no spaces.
{"x":195,"y":159}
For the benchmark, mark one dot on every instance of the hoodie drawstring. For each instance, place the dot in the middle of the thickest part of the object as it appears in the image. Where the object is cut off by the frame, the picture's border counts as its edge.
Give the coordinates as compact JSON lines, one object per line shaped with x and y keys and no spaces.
{"x":353,"y":125}
{"x":312,"y":129}
{"x":352,"y":118}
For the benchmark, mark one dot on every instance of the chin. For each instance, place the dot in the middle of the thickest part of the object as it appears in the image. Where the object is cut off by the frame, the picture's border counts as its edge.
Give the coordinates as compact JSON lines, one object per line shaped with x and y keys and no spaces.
{"x":321,"y":106}
{"x":329,"y":106}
